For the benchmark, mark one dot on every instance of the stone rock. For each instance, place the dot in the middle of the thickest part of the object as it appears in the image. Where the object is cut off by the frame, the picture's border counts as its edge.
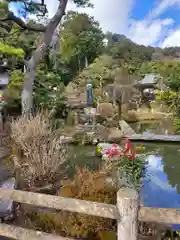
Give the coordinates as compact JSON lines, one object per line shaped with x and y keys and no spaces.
{"x":64,"y":139}
{"x":111,"y":123}
{"x":83,"y":118}
{"x":126,"y":129}
{"x":6,"y":206}
{"x":114,"y":134}
{"x":4,"y":174}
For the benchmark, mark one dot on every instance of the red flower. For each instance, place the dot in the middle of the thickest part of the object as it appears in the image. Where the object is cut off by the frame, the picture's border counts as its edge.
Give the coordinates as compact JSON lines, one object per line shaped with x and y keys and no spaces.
{"x":127,"y":151}
{"x":132,"y":156}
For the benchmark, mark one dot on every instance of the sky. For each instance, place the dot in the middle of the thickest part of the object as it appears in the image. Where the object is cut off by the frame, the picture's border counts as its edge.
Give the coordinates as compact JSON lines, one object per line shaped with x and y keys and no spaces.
{"x":147,"y":22}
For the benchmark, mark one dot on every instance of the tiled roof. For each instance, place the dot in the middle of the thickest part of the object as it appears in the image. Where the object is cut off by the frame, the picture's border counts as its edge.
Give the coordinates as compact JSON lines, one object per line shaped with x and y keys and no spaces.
{"x":150,"y":79}
{"x":4,"y":80}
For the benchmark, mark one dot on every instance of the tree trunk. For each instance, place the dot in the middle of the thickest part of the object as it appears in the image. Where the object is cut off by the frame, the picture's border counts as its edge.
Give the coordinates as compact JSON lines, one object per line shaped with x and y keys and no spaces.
{"x":27,"y":92}
{"x":86,"y":62}
{"x":119,"y":109}
{"x":37,"y":56}
{"x":79,"y":63}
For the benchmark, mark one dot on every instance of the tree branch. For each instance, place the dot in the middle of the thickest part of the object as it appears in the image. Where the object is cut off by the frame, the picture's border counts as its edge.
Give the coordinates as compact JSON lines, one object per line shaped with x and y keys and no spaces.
{"x":26,"y":26}
{"x":24,"y":1}
{"x":40,"y":52}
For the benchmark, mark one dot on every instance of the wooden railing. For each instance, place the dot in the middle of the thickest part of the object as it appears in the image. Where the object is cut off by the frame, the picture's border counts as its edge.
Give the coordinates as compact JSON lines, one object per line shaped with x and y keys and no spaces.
{"x":126,"y":212}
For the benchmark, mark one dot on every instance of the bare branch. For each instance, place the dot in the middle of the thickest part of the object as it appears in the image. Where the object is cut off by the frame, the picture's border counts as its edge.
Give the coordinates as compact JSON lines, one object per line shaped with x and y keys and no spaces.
{"x":30,"y":25}
{"x":24,"y":1}
{"x":26,"y":26}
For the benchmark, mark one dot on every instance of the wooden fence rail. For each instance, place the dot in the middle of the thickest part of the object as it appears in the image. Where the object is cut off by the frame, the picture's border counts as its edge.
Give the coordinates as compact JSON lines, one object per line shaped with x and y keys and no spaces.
{"x":126,"y":212}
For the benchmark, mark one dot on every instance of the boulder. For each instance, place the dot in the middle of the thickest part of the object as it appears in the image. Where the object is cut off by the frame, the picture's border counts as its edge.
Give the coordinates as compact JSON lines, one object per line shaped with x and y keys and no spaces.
{"x":114,"y":134}
{"x":105,"y":110}
{"x":6,"y":206}
{"x":4,"y":174}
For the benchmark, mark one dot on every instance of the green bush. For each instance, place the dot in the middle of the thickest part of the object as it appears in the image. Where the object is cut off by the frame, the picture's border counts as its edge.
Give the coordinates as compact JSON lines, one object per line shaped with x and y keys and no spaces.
{"x":130,"y":172}
{"x":176,"y":123}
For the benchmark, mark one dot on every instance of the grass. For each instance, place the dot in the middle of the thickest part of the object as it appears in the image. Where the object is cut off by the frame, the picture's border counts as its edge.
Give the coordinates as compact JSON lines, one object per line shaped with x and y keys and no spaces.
{"x":37,"y":150}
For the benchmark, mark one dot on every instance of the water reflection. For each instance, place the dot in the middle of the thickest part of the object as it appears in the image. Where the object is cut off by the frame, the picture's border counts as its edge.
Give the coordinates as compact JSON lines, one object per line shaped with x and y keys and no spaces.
{"x":161,"y":186}
{"x":157,"y":127}
{"x":157,"y":192}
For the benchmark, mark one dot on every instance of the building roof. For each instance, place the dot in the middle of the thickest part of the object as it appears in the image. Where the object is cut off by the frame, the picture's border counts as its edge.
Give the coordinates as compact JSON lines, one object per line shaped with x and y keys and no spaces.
{"x":4,"y":79}
{"x":150,"y":79}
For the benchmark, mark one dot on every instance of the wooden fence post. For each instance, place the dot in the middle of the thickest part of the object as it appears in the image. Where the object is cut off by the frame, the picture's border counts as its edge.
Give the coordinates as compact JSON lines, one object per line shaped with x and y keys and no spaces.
{"x":128,"y":207}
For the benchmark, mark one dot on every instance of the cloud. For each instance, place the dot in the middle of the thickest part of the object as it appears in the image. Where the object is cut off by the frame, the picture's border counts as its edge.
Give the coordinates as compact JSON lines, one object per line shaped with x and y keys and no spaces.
{"x":160,"y":30}
{"x":148,"y":32}
{"x":145,"y":32}
{"x":116,"y":16}
{"x":18,"y":8}
{"x":155,"y":163}
{"x":112,"y":15}
{"x":172,"y":40}
{"x":163,"y":6}
{"x":51,"y":6}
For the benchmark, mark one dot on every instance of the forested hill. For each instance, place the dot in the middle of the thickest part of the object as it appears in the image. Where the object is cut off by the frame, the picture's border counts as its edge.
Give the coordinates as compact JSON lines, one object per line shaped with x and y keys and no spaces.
{"x":119,"y":46}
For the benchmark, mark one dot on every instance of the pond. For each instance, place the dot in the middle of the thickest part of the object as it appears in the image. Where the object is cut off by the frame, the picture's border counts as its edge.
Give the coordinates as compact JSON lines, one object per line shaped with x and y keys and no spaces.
{"x":162,"y":184}
{"x":157,"y":127}
{"x":83,"y":157}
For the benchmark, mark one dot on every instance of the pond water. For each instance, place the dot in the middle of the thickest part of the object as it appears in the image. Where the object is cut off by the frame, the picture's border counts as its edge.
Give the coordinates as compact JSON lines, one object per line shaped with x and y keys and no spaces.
{"x":162,"y":184}
{"x":83,"y":157}
{"x":157,"y":127}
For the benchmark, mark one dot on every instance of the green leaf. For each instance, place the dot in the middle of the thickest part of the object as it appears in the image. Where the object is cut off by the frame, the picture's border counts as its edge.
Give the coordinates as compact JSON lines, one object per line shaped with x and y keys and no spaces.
{"x":8,"y":50}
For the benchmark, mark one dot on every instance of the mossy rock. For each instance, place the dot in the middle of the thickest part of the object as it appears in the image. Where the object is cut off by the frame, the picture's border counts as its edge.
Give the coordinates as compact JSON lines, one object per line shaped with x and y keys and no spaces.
{"x":82,"y":138}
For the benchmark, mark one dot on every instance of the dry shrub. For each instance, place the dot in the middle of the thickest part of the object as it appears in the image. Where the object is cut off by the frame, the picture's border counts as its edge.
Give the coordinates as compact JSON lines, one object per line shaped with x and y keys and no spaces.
{"x":106,"y":110}
{"x":38,"y":152}
{"x":143,"y":114}
{"x":90,"y":186}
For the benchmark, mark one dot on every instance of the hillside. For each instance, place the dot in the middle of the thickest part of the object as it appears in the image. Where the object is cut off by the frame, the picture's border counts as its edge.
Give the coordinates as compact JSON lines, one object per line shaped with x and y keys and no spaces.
{"x":124,"y":45}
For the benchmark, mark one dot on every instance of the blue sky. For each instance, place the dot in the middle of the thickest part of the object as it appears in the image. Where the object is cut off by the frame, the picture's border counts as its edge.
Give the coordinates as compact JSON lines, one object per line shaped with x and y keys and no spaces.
{"x":18,"y":9}
{"x":147,"y":22}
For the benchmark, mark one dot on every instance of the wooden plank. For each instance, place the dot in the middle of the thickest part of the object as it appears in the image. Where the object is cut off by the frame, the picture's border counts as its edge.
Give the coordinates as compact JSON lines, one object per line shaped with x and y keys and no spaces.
{"x":155,"y":137}
{"x":128,"y":206}
{"x":11,"y":231}
{"x":60,"y":203}
{"x":160,"y":215}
